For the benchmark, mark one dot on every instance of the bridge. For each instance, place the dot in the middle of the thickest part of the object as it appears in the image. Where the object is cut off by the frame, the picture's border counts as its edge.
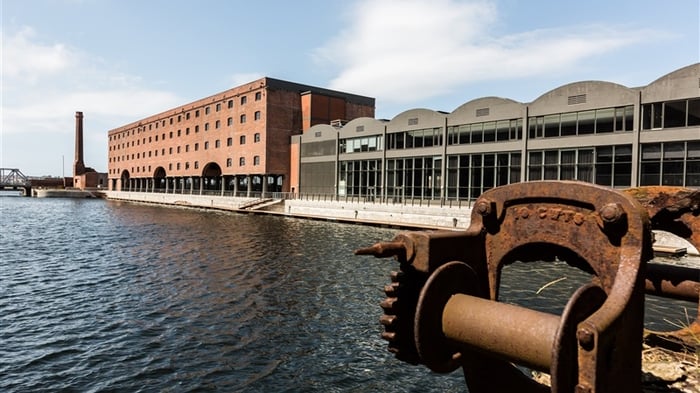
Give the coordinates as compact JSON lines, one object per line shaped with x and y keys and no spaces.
{"x":14,"y":179}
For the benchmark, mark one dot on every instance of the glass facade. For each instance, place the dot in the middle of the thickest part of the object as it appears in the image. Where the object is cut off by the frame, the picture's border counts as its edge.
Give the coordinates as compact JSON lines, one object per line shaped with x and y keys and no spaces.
{"x":360,"y":178}
{"x":670,"y":164}
{"x":361,"y":144}
{"x":414,"y":177}
{"x":604,"y":165}
{"x":594,"y":132}
{"x":469,"y":175}
{"x":671,"y":114}
{"x":426,"y":137}
{"x":492,"y":131}
{"x":595,"y":121}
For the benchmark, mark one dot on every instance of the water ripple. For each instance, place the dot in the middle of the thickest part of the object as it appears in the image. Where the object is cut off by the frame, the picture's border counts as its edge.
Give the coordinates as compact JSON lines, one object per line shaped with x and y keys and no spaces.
{"x":103,"y":296}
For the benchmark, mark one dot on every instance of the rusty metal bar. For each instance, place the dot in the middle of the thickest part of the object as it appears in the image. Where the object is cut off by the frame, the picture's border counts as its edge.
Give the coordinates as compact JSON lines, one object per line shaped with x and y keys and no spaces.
{"x":516,"y":333}
{"x":675,"y":282}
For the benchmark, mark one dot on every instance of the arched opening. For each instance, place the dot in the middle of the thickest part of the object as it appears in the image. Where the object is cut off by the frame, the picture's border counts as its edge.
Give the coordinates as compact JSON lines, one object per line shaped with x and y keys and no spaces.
{"x":159,"y":179}
{"x":125,"y":185}
{"x":211,"y":177}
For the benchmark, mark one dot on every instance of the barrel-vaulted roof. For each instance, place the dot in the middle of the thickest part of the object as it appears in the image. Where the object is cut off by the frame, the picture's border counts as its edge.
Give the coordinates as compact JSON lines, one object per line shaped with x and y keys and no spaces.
{"x":415,"y":119}
{"x":363,"y":126}
{"x":679,"y":84}
{"x":582,"y":96}
{"x":486,"y":109}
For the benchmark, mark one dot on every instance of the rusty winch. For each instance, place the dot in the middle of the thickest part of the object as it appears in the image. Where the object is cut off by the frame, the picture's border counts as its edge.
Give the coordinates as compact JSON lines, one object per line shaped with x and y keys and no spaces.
{"x":442,"y":307}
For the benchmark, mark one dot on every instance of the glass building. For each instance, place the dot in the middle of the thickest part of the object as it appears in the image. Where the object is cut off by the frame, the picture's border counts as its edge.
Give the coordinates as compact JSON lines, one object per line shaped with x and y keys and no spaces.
{"x":599,"y":132}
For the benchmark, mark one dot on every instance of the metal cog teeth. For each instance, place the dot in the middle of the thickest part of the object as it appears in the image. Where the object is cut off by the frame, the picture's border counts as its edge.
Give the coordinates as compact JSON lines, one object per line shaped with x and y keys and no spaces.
{"x":399,"y":312}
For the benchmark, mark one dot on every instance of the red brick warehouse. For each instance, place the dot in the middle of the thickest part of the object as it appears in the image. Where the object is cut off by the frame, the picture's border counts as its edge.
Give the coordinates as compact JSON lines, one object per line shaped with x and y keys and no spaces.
{"x":235,"y":142}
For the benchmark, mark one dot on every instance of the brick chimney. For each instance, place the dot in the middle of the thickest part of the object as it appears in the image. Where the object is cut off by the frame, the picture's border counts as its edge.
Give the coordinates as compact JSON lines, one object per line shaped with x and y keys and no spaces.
{"x":79,"y":164}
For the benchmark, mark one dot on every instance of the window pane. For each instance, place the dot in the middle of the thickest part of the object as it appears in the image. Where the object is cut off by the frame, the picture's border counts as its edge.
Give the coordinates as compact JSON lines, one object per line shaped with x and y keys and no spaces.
{"x":650,"y":174}
{"x":656,"y":115}
{"x":551,"y":126}
{"x":464,"y":134}
{"x":503,"y":131}
{"x":672,"y":173}
{"x":586,"y":122}
{"x":694,"y":112}
{"x":568,"y":159}
{"x":605,"y":120}
{"x":585,"y":165}
{"x":674,"y":114}
{"x":477,"y":133}
{"x":651,"y":152}
{"x":694,"y":150}
{"x":692,"y":176}
{"x":568,"y":124}
{"x":490,"y":131}
{"x":674,"y":151}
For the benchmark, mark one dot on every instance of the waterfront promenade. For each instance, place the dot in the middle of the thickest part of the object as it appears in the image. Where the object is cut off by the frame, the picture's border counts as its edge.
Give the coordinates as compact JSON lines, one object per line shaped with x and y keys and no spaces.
{"x":407,"y":214}
{"x":410,"y":214}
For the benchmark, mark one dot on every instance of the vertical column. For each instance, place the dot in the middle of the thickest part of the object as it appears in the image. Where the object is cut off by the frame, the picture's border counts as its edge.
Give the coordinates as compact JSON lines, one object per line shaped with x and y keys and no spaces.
{"x":235,"y":186}
{"x":250,"y":186}
{"x":264,"y":185}
{"x":201,"y":185}
{"x":223,"y":184}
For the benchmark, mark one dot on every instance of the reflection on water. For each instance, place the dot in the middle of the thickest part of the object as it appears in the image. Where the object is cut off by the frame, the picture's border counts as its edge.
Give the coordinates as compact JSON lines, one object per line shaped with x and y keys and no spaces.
{"x":109,"y":296}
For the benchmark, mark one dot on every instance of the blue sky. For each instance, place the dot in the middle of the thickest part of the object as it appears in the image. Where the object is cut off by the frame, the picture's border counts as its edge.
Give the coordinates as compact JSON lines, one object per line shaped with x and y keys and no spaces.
{"x":121,"y":60}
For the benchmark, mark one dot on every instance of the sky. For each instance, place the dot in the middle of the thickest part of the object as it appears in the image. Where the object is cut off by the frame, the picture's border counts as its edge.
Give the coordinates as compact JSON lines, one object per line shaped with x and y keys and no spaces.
{"x":118,"y":61}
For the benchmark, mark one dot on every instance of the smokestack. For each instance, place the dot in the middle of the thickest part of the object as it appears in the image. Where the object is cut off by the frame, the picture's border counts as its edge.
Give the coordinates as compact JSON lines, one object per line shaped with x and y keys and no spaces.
{"x":78,"y":165}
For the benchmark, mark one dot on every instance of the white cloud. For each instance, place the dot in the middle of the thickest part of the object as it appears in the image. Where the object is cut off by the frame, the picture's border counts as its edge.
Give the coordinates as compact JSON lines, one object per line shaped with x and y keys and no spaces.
{"x":25,"y":59}
{"x":404,"y":51}
{"x":44,"y":84}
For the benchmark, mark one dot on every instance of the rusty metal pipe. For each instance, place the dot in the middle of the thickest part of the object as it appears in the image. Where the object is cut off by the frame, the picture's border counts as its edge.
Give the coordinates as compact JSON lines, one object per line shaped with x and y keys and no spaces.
{"x":519,"y":334}
{"x":676,"y":282}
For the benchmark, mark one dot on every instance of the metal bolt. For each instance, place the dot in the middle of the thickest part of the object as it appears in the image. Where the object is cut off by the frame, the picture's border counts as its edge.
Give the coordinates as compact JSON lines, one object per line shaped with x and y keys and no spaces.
{"x":586,"y":338}
{"x":483,"y":207}
{"x":581,"y":388}
{"x":611,"y":213}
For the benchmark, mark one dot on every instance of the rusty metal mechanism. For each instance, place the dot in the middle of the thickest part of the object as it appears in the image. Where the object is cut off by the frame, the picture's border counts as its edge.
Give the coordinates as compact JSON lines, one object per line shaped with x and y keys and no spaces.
{"x":442,"y":307}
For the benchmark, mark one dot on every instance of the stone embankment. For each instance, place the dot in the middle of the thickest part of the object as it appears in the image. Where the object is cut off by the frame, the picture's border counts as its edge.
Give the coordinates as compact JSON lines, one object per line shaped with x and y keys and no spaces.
{"x":409,"y":216}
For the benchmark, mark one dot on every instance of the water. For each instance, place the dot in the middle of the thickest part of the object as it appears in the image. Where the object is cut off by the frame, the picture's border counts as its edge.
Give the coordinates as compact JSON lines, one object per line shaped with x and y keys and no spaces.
{"x":104,"y":296}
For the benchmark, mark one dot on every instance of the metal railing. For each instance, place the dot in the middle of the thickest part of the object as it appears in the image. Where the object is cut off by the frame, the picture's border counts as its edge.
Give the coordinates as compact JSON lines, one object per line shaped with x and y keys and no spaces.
{"x":320,"y":197}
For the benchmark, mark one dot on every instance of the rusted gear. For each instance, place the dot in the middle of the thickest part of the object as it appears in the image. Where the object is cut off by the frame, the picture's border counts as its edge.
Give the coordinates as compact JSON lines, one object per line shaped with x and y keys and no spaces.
{"x":399,"y":312}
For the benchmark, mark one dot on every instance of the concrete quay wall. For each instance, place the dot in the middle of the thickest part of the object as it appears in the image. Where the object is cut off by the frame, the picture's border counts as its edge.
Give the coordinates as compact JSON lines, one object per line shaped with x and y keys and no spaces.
{"x":405,"y":216}
{"x":201,"y":201}
{"x":394,"y":215}
{"x":383,"y":214}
